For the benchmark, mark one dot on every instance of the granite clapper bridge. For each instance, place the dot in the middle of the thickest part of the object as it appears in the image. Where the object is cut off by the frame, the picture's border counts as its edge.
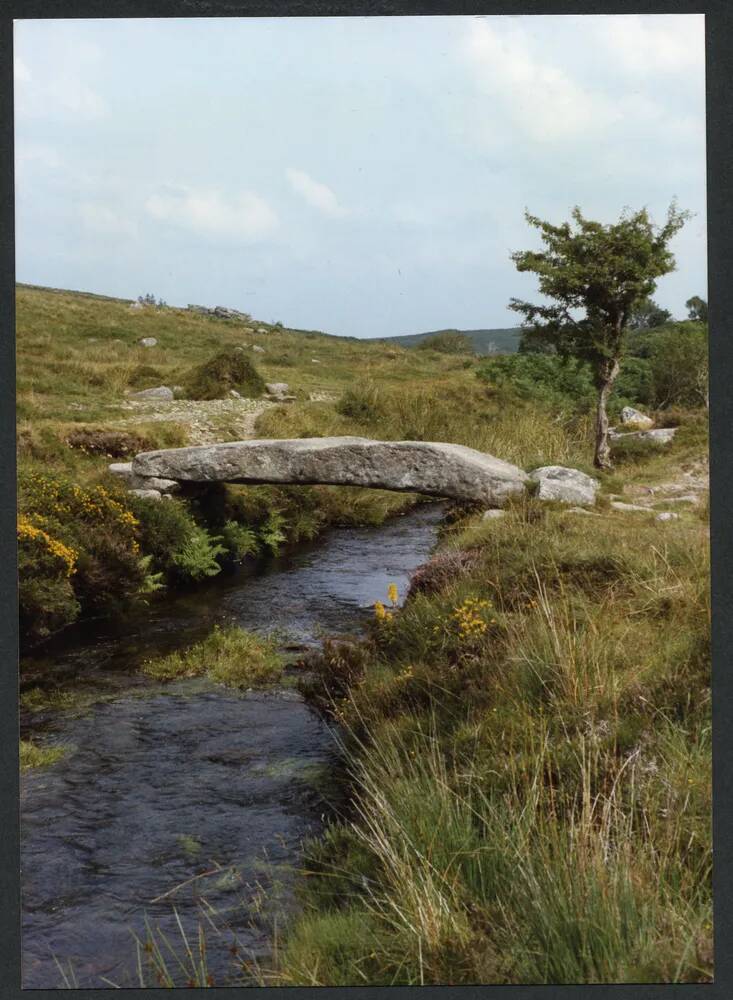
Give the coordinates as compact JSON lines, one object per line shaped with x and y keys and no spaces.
{"x":431,"y":468}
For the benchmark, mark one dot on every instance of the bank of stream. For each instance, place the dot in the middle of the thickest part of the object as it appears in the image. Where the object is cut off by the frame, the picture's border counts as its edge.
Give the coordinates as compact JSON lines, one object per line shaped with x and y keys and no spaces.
{"x":180,"y":800}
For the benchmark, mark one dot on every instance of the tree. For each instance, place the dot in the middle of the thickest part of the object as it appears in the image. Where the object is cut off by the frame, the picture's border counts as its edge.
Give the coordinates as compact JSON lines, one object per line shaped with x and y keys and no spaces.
{"x":697,"y":309}
{"x":647,"y":315}
{"x":594,"y":276}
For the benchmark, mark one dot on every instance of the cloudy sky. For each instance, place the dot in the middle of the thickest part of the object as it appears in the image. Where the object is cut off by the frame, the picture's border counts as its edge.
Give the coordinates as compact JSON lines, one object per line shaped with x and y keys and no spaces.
{"x":363,"y":176}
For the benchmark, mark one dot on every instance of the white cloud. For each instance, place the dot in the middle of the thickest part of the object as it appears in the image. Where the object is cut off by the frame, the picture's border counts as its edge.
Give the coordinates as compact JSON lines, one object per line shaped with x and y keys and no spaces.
{"x":540,"y":98}
{"x":242,"y":217}
{"x":652,"y":44}
{"x":58,"y":85}
{"x":317,"y":195}
{"x":103,"y":220}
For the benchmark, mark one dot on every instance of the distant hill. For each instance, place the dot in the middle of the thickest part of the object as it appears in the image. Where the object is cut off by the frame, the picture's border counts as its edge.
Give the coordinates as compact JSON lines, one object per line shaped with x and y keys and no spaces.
{"x":500,"y":341}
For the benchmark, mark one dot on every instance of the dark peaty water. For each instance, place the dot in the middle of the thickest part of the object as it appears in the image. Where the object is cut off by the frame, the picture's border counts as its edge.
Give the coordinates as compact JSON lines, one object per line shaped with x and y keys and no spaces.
{"x":189,"y":781}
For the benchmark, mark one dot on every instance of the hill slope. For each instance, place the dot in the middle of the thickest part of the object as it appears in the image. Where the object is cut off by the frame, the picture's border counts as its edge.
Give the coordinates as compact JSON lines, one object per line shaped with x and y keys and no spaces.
{"x":498,"y":341}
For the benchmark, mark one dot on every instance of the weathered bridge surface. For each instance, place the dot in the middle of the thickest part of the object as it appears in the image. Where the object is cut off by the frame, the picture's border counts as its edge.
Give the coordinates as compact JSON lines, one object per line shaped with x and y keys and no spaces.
{"x":432,"y":468}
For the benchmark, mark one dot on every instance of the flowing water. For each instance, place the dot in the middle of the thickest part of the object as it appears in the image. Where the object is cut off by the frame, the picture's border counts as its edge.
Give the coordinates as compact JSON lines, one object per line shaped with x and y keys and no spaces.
{"x":178,"y":800}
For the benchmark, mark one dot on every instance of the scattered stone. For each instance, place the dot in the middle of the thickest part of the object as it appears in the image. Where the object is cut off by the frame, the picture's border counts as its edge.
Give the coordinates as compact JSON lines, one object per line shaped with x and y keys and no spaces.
{"x":135,"y":306}
{"x":435,"y":469}
{"x":258,"y":349}
{"x":635,"y":419}
{"x":261,"y":330}
{"x":629,"y":507}
{"x":667,"y":515}
{"x":583,"y":510}
{"x":662,"y":435}
{"x":147,"y":494}
{"x":148,"y":342}
{"x":159,"y":392}
{"x":556,"y":482}
{"x":234,"y":394}
{"x":278,"y":389}
{"x":321,"y":397}
{"x":315,"y":361}
{"x":491,"y":515}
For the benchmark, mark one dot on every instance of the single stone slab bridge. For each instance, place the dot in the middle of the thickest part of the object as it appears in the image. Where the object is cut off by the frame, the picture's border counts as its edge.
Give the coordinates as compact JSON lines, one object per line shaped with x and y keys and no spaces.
{"x":435,"y":469}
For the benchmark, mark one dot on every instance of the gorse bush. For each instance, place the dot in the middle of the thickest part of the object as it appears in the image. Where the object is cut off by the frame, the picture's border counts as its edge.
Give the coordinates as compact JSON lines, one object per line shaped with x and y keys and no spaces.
{"x":230,"y":369}
{"x":97,"y":528}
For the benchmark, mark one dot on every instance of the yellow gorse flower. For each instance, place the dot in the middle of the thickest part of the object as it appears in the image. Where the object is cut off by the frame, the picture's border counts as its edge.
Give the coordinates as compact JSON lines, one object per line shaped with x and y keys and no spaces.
{"x":27,"y":531}
{"x":392,"y":593}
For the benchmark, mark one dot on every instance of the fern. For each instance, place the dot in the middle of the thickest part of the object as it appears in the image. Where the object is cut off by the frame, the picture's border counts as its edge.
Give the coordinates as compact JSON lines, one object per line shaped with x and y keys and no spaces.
{"x":197,"y":558}
{"x":272,"y":534}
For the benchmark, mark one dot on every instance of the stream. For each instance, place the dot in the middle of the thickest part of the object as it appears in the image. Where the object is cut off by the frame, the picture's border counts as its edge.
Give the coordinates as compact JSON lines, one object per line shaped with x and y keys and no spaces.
{"x":188,"y":801}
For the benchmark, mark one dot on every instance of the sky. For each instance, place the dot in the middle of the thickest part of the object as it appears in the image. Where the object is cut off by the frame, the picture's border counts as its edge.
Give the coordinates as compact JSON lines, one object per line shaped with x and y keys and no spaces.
{"x":362,"y":176}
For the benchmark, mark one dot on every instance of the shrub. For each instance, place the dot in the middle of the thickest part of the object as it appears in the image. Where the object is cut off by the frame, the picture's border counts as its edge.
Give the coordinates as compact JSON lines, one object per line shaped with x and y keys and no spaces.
{"x":164,"y":530}
{"x":679,"y":366}
{"x":99,"y":526}
{"x":46,"y":595}
{"x":448,"y":342}
{"x":362,"y":403}
{"x":546,"y":378}
{"x":229,"y":369}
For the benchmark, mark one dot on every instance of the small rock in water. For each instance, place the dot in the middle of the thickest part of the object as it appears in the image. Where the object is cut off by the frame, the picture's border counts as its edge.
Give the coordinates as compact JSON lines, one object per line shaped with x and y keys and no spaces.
{"x":148,"y":342}
{"x":556,"y":482}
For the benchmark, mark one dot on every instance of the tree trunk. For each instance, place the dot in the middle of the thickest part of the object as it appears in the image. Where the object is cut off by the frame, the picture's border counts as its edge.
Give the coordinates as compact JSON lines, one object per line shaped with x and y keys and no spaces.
{"x":607,"y":376}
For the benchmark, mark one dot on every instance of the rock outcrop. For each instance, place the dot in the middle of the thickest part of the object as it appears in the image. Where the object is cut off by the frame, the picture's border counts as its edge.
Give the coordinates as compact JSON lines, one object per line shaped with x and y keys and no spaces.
{"x":635,"y":419}
{"x":435,"y":469}
{"x":556,"y":482}
{"x":662,"y":435}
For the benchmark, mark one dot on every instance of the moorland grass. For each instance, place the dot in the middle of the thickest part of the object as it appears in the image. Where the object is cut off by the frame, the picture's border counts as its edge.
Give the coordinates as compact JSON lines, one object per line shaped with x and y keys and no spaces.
{"x":228,"y":655}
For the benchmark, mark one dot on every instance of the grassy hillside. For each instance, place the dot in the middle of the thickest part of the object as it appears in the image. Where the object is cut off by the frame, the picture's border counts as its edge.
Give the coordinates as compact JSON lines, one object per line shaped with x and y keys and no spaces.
{"x":499,"y":341}
{"x":527,"y":739}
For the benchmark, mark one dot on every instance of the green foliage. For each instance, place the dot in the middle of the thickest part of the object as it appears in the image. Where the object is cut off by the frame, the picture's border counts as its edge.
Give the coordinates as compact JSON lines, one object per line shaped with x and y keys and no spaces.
{"x":165,"y":527}
{"x":546,"y":378}
{"x":96,"y":534}
{"x":604,"y":272}
{"x":239,"y":540}
{"x":197,"y":557}
{"x":697,"y":309}
{"x":679,"y":366}
{"x":228,"y":655}
{"x":647,"y":314}
{"x":448,"y":342}
{"x":230,"y":369}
